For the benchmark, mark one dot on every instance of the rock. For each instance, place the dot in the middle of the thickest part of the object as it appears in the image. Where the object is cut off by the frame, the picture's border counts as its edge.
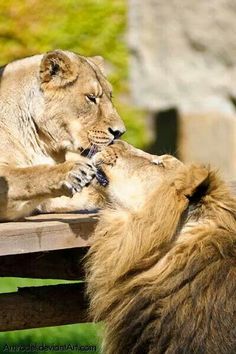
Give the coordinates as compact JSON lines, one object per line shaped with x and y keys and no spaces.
{"x":183,"y":59}
{"x":183,"y":54}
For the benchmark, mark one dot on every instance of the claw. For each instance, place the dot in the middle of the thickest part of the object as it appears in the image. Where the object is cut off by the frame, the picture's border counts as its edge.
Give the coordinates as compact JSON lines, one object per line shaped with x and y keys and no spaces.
{"x":83,"y":183}
{"x":92,"y":167}
{"x":76,"y":176}
{"x":68,"y":185}
{"x":89,"y":178}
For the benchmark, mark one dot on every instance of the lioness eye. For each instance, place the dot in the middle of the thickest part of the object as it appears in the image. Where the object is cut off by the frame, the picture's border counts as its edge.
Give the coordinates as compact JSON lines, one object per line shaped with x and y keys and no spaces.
{"x":92,"y":98}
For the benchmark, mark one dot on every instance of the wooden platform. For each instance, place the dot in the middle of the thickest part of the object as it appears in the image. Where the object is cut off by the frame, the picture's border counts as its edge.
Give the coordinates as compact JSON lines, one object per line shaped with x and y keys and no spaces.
{"x":46,"y":232}
{"x":49,"y":246}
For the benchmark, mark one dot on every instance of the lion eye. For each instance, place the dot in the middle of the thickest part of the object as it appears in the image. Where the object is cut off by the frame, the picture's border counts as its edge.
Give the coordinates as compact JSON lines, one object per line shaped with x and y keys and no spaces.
{"x":92,"y":98}
{"x":158,"y":163}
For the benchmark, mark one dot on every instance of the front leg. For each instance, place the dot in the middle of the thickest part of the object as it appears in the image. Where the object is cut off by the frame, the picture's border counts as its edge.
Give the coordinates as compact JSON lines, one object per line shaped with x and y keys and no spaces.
{"x":90,"y":199}
{"x":23,"y":188}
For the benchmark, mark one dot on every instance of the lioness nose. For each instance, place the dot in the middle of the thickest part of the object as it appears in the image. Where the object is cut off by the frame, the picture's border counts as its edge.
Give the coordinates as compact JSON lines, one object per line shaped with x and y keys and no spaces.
{"x":116,"y":133}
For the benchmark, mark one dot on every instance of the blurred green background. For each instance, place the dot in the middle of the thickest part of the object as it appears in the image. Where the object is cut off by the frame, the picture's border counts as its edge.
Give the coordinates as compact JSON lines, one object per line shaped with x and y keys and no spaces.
{"x":91,"y":27}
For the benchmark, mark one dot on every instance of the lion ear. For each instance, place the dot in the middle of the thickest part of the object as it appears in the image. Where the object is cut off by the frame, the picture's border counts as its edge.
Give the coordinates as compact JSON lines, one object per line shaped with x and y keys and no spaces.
{"x":193,"y":177}
{"x":197,"y":175}
{"x":57,"y":69}
{"x":98,"y":61}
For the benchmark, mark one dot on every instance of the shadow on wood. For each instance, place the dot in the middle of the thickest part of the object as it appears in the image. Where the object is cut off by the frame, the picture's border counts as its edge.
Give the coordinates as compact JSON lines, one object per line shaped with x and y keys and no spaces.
{"x":62,"y":264}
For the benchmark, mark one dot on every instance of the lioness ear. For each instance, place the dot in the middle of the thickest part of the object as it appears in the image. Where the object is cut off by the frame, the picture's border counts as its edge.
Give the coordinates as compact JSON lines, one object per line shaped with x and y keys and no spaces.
{"x":191,"y":179}
{"x":99,"y":61}
{"x":57,"y":69}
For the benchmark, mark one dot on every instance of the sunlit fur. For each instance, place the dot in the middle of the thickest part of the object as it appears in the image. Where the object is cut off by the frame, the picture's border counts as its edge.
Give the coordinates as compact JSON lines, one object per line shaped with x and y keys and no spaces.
{"x":46,"y":113}
{"x":162,"y":277}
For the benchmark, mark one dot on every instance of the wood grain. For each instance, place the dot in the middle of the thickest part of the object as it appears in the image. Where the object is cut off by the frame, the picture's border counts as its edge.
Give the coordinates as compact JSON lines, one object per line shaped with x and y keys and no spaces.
{"x":46,"y":232}
{"x":44,"y":306}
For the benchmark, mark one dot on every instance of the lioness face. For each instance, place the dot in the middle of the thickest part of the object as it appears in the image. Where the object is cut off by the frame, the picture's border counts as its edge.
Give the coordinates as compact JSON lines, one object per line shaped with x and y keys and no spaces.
{"x":78,"y":105}
{"x":131,"y":177}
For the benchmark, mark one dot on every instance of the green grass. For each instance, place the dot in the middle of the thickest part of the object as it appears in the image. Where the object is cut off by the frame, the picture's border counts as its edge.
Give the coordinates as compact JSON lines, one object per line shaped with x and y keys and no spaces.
{"x":8,"y":285}
{"x":80,"y":334}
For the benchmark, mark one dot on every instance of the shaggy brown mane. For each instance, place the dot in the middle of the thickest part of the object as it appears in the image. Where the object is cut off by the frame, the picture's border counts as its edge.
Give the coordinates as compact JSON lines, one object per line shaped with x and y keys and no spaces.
{"x":163,"y":279}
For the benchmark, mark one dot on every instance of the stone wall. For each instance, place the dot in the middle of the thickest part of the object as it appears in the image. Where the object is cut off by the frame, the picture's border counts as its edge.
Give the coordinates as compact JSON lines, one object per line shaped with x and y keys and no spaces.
{"x":183,"y":56}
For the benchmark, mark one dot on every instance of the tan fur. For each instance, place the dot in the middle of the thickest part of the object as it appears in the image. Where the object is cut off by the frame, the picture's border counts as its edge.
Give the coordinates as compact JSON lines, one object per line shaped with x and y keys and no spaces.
{"x":161,"y":270}
{"x":46,"y":112}
{"x":92,"y":198}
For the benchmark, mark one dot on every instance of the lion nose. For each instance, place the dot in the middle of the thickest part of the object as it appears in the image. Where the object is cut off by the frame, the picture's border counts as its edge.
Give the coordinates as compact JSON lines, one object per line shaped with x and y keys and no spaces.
{"x":116,"y":133}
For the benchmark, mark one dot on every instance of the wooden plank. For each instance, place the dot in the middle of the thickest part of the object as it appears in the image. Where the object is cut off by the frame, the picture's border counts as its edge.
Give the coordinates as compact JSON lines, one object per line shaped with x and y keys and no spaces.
{"x":63,"y":264}
{"x":46,"y":232}
{"x":44,"y":306}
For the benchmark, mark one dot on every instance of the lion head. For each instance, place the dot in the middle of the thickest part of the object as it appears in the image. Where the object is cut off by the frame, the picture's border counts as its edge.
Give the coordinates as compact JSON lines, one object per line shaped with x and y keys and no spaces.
{"x":133,"y":175}
{"x":78,"y":101}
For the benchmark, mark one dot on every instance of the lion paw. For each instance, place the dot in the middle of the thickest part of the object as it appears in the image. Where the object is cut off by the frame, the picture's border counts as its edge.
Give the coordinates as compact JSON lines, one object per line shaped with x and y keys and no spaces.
{"x":79,"y":176}
{"x":107,"y":156}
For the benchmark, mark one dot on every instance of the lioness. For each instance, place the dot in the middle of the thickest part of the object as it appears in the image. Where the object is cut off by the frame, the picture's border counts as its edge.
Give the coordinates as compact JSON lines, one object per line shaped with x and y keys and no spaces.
{"x":51,"y":104}
{"x":161,"y":270}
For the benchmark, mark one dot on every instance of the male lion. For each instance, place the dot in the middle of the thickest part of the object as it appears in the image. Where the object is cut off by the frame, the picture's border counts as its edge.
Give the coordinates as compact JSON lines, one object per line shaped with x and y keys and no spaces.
{"x":161,"y":270}
{"x":50,"y":105}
